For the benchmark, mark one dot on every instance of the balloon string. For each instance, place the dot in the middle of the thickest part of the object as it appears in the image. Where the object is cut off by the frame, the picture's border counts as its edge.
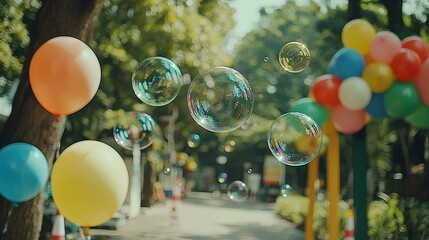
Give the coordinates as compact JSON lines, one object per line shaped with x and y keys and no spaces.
{"x":6,"y":224}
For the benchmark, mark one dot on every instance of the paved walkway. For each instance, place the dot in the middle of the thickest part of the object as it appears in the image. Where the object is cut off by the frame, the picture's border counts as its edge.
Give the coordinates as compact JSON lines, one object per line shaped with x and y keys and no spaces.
{"x":201,"y":216}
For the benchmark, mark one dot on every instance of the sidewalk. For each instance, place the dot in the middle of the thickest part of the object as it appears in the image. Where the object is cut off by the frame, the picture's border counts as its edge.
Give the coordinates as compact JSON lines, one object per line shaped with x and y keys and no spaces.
{"x":200,"y":216}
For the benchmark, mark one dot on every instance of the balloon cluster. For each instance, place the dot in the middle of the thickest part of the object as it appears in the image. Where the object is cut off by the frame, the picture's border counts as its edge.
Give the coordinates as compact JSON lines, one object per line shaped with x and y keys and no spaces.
{"x":375,"y":75}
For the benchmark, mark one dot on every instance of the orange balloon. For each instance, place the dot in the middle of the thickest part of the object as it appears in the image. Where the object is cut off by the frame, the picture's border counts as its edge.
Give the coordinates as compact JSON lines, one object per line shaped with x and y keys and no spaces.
{"x":64,"y":75}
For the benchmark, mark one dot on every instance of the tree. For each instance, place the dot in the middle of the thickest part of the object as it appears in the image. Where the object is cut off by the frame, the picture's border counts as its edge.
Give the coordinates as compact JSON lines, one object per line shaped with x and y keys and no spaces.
{"x":28,"y":121}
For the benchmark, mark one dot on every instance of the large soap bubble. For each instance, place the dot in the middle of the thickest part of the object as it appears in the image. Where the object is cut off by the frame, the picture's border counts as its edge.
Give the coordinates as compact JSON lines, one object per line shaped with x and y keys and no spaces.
{"x":294,"y":139}
{"x":157,"y":81}
{"x":220,"y":99}
{"x":135,"y":129}
{"x":294,"y":57}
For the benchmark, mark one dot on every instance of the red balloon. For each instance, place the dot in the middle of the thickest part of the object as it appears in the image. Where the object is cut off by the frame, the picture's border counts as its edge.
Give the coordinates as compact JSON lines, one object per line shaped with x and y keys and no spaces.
{"x":347,"y":121}
{"x":422,"y":82}
{"x":405,"y":65}
{"x":325,"y":90}
{"x":418,"y":45}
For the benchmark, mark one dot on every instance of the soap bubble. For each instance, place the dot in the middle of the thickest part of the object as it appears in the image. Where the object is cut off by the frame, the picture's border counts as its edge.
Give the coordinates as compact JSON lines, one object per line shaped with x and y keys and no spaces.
{"x":194,"y":140}
{"x":167,"y":171}
{"x":294,"y":57}
{"x":286,"y":190}
{"x":220,"y":99}
{"x":237,"y":191}
{"x":230,"y":146}
{"x":134,"y":129}
{"x":266,"y":59}
{"x":294,"y":139}
{"x":222,"y":177}
{"x":157,"y":81}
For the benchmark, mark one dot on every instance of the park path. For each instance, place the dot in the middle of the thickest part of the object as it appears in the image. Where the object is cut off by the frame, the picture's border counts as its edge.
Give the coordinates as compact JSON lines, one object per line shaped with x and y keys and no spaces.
{"x":202,"y":216}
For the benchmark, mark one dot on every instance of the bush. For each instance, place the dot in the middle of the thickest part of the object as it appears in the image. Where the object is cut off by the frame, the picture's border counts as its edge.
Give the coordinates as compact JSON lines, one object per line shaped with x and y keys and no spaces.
{"x":393,"y":218}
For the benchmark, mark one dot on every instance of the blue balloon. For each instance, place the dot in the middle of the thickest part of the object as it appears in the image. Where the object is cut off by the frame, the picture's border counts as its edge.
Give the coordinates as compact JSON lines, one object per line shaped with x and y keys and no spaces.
{"x":346,"y":63}
{"x":376,"y":107}
{"x":24,"y":172}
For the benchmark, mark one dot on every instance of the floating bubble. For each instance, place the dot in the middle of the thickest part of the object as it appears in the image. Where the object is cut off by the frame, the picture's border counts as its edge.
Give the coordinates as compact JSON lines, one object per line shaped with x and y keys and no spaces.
{"x":237,"y":191}
{"x":194,"y":140}
{"x":157,"y":81}
{"x":220,"y":99}
{"x":286,"y":190}
{"x":222,"y":177}
{"x":167,"y":171}
{"x":230,"y":146}
{"x":294,"y":57}
{"x":266,"y":59}
{"x":221,"y":160}
{"x":134,"y":129}
{"x":294,"y":139}
{"x":249,"y":170}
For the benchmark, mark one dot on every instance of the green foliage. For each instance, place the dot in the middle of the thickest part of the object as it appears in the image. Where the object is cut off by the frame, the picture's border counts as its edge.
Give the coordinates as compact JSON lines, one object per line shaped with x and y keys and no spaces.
{"x":393,"y":218}
{"x":293,"y":208}
{"x":386,"y":219}
{"x":13,"y":40}
{"x":417,"y":218}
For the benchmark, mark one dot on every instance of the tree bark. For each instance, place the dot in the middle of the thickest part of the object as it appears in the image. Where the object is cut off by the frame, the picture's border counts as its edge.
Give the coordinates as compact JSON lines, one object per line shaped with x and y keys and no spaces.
{"x":354,"y":9}
{"x":394,"y":15}
{"x":28,"y":121}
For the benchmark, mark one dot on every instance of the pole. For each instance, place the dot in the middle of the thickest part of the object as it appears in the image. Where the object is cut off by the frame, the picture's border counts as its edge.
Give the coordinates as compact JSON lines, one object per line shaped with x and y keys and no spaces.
{"x":313,"y":170}
{"x":333,"y":184}
{"x":360,"y":185}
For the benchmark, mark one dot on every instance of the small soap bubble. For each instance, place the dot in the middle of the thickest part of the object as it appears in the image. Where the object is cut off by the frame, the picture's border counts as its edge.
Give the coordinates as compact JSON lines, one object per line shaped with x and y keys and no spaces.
{"x":220,"y":99}
{"x":266,"y":59}
{"x":286,"y":190}
{"x":134,"y":129}
{"x":222,"y":177}
{"x":167,"y":171}
{"x":237,"y":191}
{"x":230,"y":146}
{"x":294,"y":139}
{"x":156,"y":81}
{"x":194,"y":140}
{"x":249,"y":171}
{"x":294,"y":57}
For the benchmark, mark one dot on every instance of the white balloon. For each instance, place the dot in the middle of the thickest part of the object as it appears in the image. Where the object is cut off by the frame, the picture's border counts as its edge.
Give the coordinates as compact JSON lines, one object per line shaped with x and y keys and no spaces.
{"x":354,"y":93}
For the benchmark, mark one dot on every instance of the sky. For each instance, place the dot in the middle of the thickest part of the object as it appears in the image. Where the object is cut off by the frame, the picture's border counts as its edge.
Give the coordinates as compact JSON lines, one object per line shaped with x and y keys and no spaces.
{"x":247,"y":13}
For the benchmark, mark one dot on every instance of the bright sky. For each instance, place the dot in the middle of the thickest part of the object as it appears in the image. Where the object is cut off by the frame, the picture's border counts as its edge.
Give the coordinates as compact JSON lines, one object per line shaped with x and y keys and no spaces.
{"x":247,"y":13}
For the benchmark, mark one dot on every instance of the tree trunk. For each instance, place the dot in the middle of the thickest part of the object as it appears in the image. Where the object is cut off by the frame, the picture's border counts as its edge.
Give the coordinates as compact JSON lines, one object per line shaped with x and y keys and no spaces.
{"x":394,"y":15}
{"x":354,"y":9}
{"x":28,"y":121}
{"x":148,"y":182}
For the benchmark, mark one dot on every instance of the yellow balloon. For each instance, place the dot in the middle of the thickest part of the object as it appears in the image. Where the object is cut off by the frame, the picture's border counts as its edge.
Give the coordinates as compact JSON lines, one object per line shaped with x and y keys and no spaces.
{"x":89,"y":183}
{"x":379,"y":77}
{"x":358,"y":34}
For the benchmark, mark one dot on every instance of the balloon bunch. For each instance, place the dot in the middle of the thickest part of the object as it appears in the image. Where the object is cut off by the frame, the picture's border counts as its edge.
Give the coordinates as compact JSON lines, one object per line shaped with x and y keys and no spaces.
{"x":375,"y":75}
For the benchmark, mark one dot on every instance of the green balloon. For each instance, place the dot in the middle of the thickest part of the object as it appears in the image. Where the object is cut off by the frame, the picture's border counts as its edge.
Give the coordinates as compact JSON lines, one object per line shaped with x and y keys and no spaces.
{"x":401,"y":99}
{"x":420,"y":117}
{"x":312,"y":109}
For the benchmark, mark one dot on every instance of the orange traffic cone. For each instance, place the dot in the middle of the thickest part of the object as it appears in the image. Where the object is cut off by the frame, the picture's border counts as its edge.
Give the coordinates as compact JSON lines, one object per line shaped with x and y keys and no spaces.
{"x":174,"y":217}
{"x":58,"y":230}
{"x":349,"y":231}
